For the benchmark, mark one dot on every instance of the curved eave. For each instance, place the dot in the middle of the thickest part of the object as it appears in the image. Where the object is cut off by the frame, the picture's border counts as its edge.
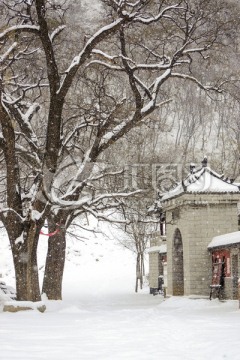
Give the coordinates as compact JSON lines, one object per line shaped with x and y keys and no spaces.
{"x":226,"y":246}
{"x":225,"y":241}
{"x":203,"y":195}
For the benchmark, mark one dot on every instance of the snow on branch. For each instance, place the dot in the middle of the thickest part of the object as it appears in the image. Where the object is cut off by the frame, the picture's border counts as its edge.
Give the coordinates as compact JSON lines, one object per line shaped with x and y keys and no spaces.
{"x":112,"y":58}
{"x":193,"y":50}
{"x":161,"y":14}
{"x":83,"y":125}
{"x":196,"y":81}
{"x":12,"y":30}
{"x":143,"y":86}
{"x":114,"y":195}
{"x":104,"y":55}
{"x":56,"y":32}
{"x":85,"y":53}
{"x":75,"y":183}
{"x":89,"y":44}
{"x":4,"y":211}
{"x":109,"y":135}
{"x":70,"y":202}
{"x":23,"y":120}
{"x":158,"y":82}
{"x":131,"y":4}
{"x":111,"y":62}
{"x":8,"y":52}
{"x":30,"y":157}
{"x":66,"y":204}
{"x":157,"y":66}
{"x":101,"y":216}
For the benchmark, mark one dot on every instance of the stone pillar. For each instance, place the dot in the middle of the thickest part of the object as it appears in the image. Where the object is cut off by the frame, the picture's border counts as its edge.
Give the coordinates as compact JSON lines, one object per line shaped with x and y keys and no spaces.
{"x":153,"y":271}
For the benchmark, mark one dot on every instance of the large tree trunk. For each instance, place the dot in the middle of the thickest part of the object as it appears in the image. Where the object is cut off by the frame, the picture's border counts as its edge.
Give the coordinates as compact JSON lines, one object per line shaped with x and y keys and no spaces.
{"x":27,"y":281}
{"x":54,"y":267}
{"x":26,"y":267}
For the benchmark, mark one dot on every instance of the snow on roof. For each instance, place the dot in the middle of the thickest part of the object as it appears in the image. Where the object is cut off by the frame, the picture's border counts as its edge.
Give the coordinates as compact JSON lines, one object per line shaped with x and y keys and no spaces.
{"x":202,"y":180}
{"x":161,"y":249}
{"x":225,"y":239}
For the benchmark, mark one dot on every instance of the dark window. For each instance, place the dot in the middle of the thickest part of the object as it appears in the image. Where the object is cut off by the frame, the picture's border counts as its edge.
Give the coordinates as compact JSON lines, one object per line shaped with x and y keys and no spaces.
{"x":175,"y":214}
{"x":163,"y":224}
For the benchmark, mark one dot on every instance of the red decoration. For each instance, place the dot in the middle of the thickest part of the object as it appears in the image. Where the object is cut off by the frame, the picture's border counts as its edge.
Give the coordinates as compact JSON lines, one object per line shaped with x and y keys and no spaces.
{"x":222,"y":256}
{"x":51,"y":233}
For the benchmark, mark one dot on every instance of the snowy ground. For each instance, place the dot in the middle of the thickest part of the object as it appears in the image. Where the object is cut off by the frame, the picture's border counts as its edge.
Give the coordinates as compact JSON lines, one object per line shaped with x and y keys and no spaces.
{"x":102,"y":318}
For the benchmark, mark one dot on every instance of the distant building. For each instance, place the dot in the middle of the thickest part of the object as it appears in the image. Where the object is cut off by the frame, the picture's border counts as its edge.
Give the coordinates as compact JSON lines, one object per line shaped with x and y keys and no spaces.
{"x":202,"y":238}
{"x":157,"y":263}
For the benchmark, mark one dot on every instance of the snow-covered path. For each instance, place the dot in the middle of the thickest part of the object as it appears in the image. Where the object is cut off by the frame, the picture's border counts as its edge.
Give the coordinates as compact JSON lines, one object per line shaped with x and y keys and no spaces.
{"x":126,"y":326}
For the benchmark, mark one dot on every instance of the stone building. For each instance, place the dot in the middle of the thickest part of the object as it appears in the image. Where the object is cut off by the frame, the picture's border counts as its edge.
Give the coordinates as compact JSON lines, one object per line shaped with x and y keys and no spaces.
{"x":200,"y":208}
{"x":225,"y":250}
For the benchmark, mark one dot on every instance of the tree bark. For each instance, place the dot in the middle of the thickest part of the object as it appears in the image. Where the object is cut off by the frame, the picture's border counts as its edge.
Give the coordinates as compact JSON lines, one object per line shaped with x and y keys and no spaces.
{"x":55,"y":261}
{"x":23,"y":234}
{"x":26,"y":267}
{"x":27,"y":281}
{"x":138,"y":274}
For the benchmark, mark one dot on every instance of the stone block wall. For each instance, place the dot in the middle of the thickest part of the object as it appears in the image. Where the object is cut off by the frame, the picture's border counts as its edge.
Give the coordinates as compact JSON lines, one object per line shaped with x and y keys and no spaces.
{"x":200,"y":218}
{"x":154,"y":262}
{"x":153,"y":270}
{"x":171,"y":228}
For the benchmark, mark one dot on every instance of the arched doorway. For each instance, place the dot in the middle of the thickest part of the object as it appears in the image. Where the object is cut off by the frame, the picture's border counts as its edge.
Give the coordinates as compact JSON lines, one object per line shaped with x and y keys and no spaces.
{"x":177,"y":264}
